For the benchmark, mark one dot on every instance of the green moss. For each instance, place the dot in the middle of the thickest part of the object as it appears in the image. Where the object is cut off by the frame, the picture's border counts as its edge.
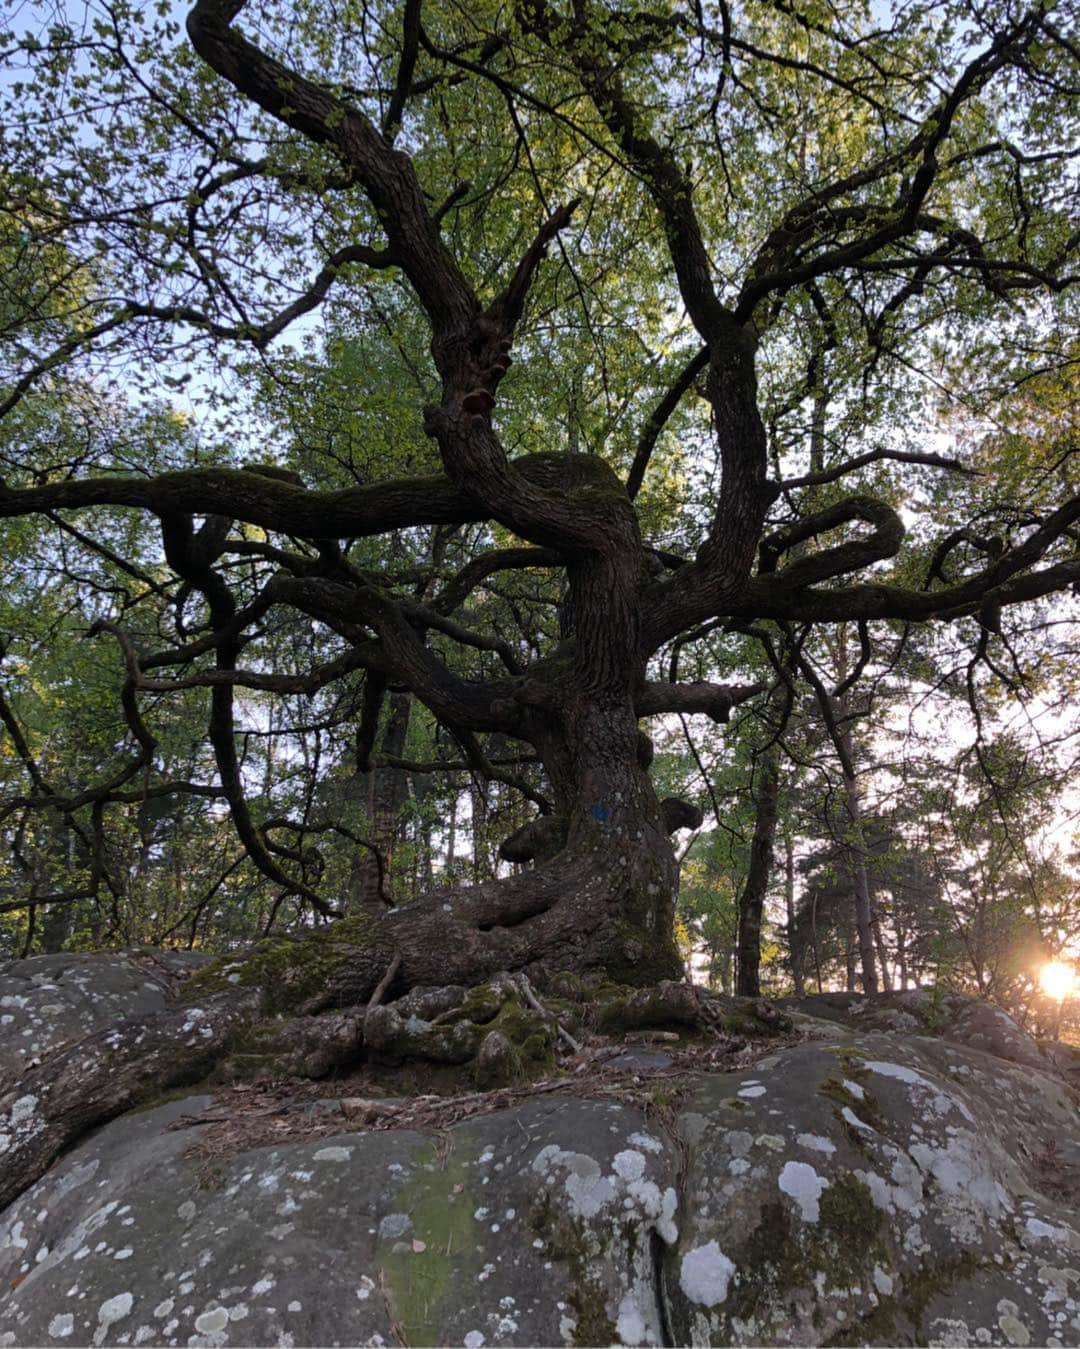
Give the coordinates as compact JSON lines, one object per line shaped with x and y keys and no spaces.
{"x":570,"y":986}
{"x":424,"y":1287}
{"x":290,"y":971}
{"x":256,"y":1052}
{"x":582,"y":1251}
{"x":743,"y":1021}
{"x":852,"y":1223}
{"x":776,"y":1263}
{"x":155,"y":1096}
{"x":532,"y":1037}
{"x":898,"y":1318}
{"x":621,"y":1007}
{"x":480,"y":1005}
{"x":786,"y":1254}
{"x":594,"y":1325}
{"x":866,"y":1107}
{"x":638,"y":955}
{"x":210,"y":1177}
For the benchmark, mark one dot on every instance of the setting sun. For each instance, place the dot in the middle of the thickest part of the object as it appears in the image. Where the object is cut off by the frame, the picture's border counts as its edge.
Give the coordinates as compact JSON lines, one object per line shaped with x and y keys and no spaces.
{"x":1057,"y":979}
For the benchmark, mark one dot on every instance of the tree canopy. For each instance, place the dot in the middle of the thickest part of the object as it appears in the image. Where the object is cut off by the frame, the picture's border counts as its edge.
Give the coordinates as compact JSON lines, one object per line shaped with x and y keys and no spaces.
{"x":483,"y":383}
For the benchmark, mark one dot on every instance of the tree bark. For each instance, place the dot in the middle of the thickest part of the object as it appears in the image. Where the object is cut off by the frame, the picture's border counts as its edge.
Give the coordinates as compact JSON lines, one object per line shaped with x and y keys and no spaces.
{"x":882,"y":953}
{"x":384,"y":790}
{"x":794,"y":950}
{"x":751,"y":902}
{"x":859,"y":880}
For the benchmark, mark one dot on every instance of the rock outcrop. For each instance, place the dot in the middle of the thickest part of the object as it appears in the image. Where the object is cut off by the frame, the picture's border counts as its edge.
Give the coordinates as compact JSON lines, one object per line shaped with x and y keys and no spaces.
{"x":49,"y":1000}
{"x":854,"y":1186}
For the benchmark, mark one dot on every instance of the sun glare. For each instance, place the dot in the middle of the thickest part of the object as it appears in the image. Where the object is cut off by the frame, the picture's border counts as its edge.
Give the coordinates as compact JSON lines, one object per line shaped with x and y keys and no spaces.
{"x":1057,"y":979}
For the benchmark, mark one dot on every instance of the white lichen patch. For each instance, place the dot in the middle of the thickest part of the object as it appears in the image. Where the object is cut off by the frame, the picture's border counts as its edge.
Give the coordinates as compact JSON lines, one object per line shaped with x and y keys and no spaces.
{"x":22,"y":1110}
{"x":816,"y":1143}
{"x":630,"y":1325}
{"x":333,"y":1154}
{"x":900,"y":1072}
{"x":967,"y":1186}
{"x":656,"y":1207}
{"x":646,"y":1142}
{"x":704,"y":1275}
{"x":753,"y":1090}
{"x":883,"y":1281}
{"x":739,"y":1142}
{"x":903,"y":1194}
{"x":589,"y":1191}
{"x":1010,"y":1325}
{"x":60,"y":1327}
{"x":802,"y":1183}
{"x":947,"y":1332}
{"x":113,"y":1309}
{"x":850,"y":1117}
{"x":941,"y":1102}
{"x":1040,"y":1230}
{"x":630,"y":1165}
{"x":209,"y":1323}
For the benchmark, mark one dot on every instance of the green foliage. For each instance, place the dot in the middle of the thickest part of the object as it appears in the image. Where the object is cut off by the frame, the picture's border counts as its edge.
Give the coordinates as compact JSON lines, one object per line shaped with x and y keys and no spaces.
{"x":159,"y":227}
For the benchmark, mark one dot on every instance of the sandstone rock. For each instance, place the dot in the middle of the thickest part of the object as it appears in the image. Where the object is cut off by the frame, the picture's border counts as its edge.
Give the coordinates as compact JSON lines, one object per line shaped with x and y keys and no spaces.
{"x":532,"y":1226}
{"x":48,"y":1000}
{"x":923,"y":1011}
{"x":878,"y":1191}
{"x":863,"y":1186}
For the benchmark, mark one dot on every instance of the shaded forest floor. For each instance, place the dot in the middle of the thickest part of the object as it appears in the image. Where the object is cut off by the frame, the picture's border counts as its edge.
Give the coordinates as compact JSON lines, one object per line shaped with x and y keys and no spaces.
{"x":649,"y":1070}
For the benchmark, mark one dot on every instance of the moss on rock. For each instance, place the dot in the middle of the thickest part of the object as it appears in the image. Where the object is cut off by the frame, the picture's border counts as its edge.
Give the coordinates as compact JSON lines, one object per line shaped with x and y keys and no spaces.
{"x":423,"y":1286}
{"x":787,"y":1254}
{"x":327,"y":963}
{"x":581,"y":1250}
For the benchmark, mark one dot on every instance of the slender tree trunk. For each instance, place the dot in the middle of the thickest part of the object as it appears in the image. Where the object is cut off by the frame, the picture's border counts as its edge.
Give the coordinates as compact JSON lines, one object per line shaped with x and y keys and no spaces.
{"x":849,"y":945}
{"x":451,"y":836}
{"x":863,"y":916}
{"x":479,"y":802}
{"x":385,"y":790}
{"x":756,"y":886}
{"x":794,"y":954}
{"x":882,"y":953}
{"x":855,"y":846}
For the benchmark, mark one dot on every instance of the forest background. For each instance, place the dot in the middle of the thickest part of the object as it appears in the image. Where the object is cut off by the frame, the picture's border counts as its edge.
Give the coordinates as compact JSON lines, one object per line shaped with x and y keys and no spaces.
{"x":189,"y":279}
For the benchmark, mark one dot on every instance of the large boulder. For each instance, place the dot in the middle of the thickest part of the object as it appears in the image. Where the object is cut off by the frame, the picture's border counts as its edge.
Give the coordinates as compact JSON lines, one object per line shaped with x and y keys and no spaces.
{"x":857,"y":1186}
{"x":939,"y":1012}
{"x":47,"y":1001}
{"x":533,"y":1226}
{"x":879,"y":1190}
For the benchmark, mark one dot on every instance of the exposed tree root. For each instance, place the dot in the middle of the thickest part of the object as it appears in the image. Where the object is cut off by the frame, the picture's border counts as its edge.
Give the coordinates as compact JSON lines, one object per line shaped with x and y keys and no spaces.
{"x":235,"y":1022}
